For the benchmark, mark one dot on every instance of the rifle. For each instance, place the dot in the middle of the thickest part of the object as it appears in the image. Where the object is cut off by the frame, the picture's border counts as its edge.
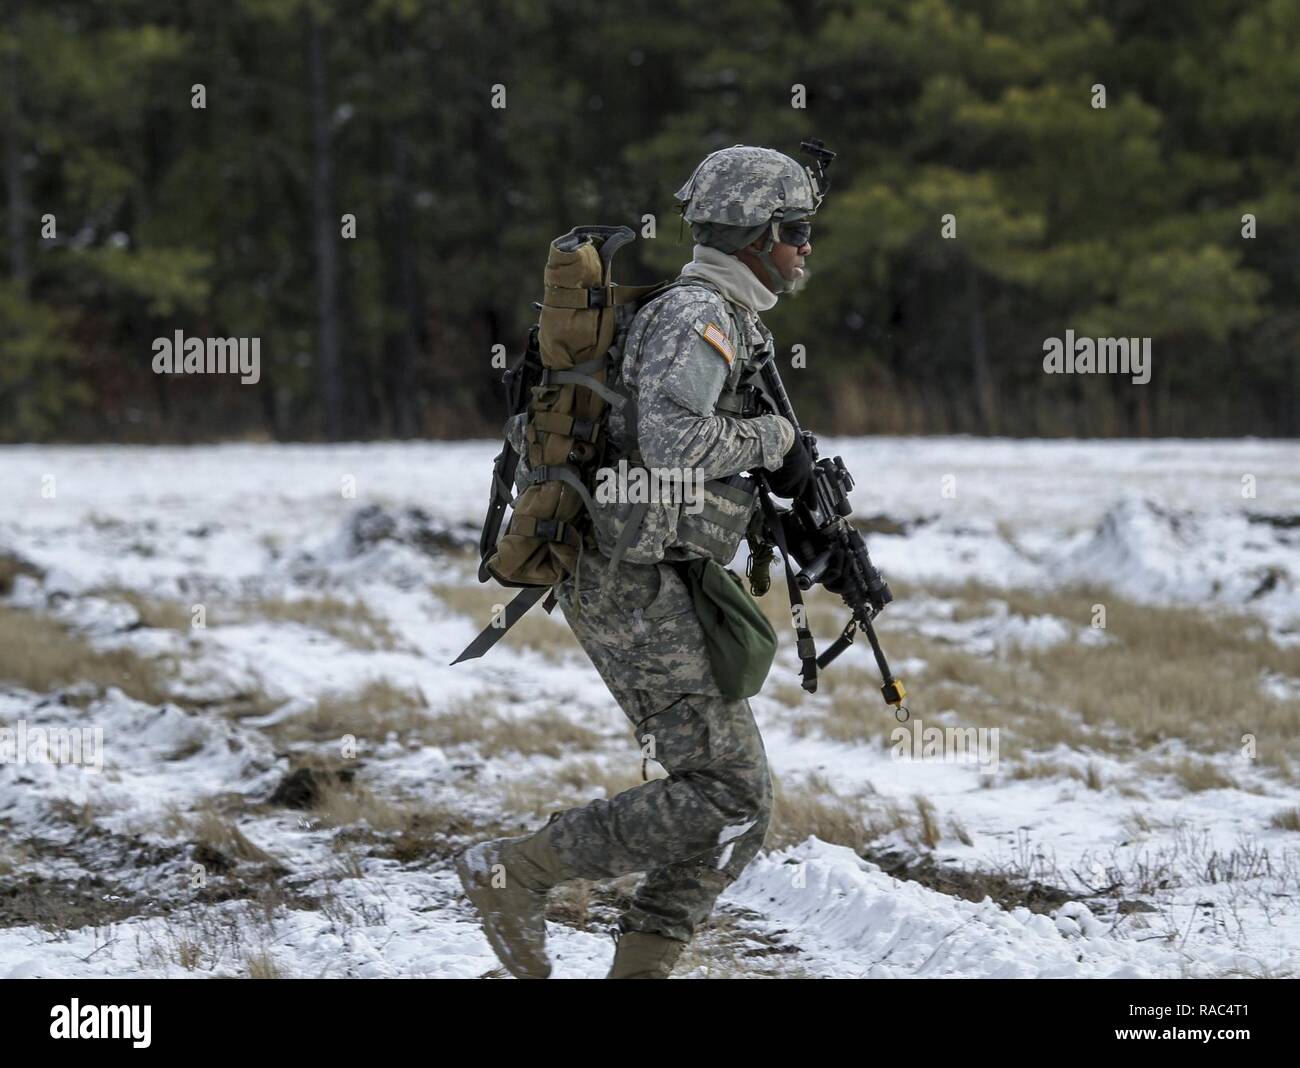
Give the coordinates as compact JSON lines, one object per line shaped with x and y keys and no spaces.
{"x":519,"y":379}
{"x":818,"y":529}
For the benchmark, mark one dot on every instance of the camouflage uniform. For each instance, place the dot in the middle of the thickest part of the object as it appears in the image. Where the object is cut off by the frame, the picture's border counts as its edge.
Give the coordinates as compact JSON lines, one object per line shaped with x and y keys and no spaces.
{"x":694,"y":832}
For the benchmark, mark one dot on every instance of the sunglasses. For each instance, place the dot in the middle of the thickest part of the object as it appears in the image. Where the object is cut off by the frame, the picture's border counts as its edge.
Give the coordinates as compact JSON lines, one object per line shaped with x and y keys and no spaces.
{"x":795,"y":233}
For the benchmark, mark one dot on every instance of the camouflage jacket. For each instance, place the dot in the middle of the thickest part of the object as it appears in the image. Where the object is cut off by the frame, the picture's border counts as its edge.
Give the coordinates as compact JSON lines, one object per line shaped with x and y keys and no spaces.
{"x":683,"y":363}
{"x":686,"y":357}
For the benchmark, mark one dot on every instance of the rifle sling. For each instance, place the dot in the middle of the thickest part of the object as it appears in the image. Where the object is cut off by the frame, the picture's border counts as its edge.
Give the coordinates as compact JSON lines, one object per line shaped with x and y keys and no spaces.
{"x":804,"y":643}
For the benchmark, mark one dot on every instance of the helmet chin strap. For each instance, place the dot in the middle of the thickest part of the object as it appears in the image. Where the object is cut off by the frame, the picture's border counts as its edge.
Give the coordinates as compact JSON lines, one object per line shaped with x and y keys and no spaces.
{"x":780,"y":284}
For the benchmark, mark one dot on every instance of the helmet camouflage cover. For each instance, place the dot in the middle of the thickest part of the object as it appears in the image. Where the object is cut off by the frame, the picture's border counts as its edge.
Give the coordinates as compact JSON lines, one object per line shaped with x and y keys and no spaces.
{"x":744,"y":186}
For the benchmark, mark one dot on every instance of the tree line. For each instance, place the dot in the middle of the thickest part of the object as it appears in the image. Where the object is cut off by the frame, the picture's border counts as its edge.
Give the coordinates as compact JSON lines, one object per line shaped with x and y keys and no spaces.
{"x":341,"y":181}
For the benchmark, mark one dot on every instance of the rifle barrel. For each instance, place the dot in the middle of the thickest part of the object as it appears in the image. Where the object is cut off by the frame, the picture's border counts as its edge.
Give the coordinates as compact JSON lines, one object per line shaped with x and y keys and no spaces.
{"x":772,"y":377}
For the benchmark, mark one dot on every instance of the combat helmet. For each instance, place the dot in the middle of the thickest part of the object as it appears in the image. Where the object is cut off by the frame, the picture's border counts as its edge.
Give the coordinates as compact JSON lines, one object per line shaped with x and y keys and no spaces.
{"x":737,"y":194}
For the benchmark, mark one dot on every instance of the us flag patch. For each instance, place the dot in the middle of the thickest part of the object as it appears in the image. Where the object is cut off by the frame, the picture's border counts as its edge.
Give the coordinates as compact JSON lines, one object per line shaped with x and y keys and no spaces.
{"x":717,"y":337}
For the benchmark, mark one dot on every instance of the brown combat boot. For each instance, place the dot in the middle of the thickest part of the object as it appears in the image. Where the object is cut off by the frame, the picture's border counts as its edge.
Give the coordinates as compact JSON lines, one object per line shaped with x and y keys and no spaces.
{"x":640,"y":955}
{"x":507,"y":880}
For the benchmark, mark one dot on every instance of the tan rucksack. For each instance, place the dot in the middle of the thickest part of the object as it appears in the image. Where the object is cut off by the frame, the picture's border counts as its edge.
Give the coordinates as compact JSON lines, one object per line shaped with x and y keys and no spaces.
{"x":560,"y":384}
{"x":562,"y":379}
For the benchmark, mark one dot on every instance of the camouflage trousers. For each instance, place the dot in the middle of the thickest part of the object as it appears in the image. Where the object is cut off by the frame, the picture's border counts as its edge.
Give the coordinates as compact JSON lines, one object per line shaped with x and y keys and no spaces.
{"x":694,"y":832}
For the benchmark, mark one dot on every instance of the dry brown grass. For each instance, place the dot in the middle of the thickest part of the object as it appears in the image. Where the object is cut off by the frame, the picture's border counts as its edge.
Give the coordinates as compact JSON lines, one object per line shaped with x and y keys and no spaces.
{"x":215,"y":831}
{"x":547,"y":732}
{"x":824,"y":612}
{"x":1044,"y":769}
{"x":573,"y":783}
{"x":1286,"y":820}
{"x":570,"y":904}
{"x":789,"y":694}
{"x":345,"y":804}
{"x":190,"y":952}
{"x":1136,"y":824}
{"x":1194,"y":774}
{"x":154,"y":612}
{"x":372,"y":712}
{"x":726,"y":947}
{"x":351,"y":622}
{"x":10,"y":568}
{"x":1168,"y":673}
{"x":855,"y":713}
{"x":590,"y":776}
{"x":382,"y":708}
{"x":1174,"y":672}
{"x":13,"y":856}
{"x":812,"y":807}
{"x":201,"y":938}
{"x":261,"y":965}
{"x":547,"y":635}
{"x":927,"y":822}
{"x":471,"y":598}
{"x":1092,"y":776}
{"x":83,"y":814}
{"x":41,"y":655}
{"x":410,"y":831}
{"x":982,"y":692}
{"x":1277,"y":759}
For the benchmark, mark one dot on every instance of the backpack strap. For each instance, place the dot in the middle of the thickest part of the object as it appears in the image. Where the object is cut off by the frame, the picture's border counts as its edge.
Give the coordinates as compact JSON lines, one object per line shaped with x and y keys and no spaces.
{"x":566,"y":426}
{"x":630,"y":529}
{"x":606,"y":296}
{"x":566,"y":473}
{"x":548,"y":529}
{"x":580,"y":375}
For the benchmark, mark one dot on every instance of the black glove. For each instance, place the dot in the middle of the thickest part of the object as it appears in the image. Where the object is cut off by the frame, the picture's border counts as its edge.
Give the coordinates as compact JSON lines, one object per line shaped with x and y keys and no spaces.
{"x":792,"y":477}
{"x":841,"y":572}
{"x":806,"y":548}
{"x":836,"y":577}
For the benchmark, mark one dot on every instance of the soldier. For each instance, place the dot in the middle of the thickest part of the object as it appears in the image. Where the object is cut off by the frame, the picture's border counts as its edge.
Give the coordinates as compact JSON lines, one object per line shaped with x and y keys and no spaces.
{"x":684,"y":364}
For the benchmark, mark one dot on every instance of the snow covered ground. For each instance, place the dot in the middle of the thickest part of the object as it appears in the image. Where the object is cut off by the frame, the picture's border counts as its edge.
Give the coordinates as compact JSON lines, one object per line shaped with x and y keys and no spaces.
{"x":1161,"y":881}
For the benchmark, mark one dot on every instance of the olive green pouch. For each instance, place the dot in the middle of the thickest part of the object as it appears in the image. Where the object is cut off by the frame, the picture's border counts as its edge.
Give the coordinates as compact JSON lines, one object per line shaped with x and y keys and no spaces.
{"x":740,"y":641}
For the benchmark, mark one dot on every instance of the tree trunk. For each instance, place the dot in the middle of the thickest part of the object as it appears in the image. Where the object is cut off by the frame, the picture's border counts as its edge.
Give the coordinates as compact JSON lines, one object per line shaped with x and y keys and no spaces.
{"x":18,"y":266}
{"x":981,"y":374}
{"x":406,"y":345}
{"x":325,"y":227}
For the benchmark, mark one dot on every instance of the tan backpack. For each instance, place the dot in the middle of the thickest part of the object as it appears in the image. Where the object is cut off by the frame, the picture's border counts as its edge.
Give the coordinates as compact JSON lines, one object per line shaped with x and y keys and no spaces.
{"x":561,"y":379}
{"x":561,"y":383}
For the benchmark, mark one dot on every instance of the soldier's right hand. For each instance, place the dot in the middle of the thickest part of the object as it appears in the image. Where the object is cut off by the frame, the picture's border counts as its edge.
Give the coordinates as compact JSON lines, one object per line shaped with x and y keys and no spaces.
{"x":793,"y":476}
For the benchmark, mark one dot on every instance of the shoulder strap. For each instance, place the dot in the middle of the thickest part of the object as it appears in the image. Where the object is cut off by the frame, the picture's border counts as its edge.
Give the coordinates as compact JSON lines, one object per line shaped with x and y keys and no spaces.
{"x":805,"y":644}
